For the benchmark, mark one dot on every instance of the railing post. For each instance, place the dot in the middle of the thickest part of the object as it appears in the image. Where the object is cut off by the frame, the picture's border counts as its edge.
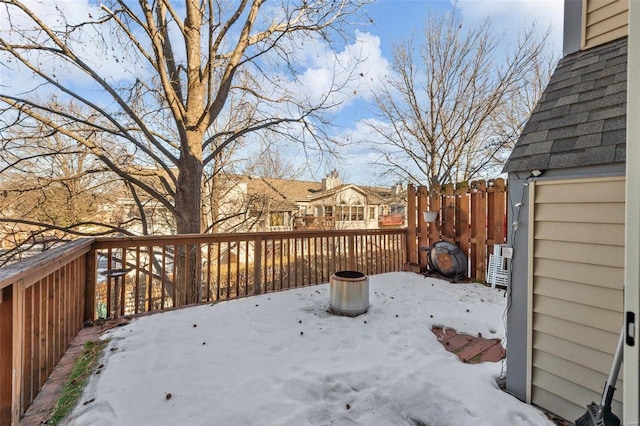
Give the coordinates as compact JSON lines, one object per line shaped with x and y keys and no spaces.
{"x":18,"y":335}
{"x":257,"y":265}
{"x":6,"y":354}
{"x":412,"y":250}
{"x":351,"y":253}
{"x":90,"y":285}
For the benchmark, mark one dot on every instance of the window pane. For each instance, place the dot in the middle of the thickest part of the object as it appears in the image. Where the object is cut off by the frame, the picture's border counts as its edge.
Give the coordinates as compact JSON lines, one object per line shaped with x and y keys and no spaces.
{"x":344,"y":213}
{"x":276,"y":219}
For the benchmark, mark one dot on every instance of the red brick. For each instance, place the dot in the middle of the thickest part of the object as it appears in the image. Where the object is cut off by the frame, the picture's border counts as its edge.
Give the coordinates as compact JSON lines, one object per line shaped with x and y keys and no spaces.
{"x":443,"y":333}
{"x":469,"y":348}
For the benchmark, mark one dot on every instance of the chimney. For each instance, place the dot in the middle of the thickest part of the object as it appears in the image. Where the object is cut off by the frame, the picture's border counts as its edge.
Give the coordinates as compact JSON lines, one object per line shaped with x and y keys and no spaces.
{"x":331,"y":181}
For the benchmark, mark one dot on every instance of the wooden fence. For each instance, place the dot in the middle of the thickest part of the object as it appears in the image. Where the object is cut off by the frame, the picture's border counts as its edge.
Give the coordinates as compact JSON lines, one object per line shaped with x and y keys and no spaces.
{"x":472,"y":216}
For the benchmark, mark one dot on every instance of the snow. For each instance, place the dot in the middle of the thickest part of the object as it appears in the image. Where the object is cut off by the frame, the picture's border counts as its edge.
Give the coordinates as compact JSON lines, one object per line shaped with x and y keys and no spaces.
{"x":282,"y":359}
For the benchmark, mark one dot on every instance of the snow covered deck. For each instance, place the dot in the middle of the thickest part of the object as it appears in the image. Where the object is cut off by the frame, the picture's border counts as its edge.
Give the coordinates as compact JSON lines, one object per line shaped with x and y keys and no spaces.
{"x":283,"y":359}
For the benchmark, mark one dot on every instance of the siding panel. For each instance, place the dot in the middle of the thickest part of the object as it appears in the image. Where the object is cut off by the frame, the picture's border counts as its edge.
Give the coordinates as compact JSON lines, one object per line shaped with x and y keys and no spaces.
{"x":578,"y":192}
{"x":598,"y":318}
{"x":577,"y":281}
{"x":582,"y":213}
{"x":574,"y":410}
{"x":590,"y":233}
{"x":555,"y":403}
{"x":576,"y":374}
{"x":572,"y":352}
{"x":601,"y":10}
{"x":580,"y":253}
{"x":612,"y":35}
{"x":604,"y":21}
{"x":600,"y":275}
{"x":579,"y":334}
{"x":575,"y":394}
{"x":588,"y":295}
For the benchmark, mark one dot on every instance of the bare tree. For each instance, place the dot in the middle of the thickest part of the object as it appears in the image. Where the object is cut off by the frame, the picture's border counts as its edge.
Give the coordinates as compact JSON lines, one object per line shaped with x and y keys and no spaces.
{"x":51,"y":190}
{"x":447,"y":116}
{"x":155,"y":79}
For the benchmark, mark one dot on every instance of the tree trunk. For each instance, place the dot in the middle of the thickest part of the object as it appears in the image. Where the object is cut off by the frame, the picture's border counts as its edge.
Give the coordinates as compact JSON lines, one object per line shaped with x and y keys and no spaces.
{"x":188,"y":221}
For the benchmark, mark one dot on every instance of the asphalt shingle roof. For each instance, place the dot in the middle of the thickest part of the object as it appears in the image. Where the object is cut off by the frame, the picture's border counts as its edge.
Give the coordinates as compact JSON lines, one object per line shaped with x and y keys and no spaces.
{"x":284,"y":193}
{"x":581,"y":117}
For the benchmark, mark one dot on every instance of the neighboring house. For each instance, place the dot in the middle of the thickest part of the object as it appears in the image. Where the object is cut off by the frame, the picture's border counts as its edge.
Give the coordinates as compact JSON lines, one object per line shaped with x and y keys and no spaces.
{"x":241,"y":203}
{"x":283,"y":204}
{"x":567,"y":186}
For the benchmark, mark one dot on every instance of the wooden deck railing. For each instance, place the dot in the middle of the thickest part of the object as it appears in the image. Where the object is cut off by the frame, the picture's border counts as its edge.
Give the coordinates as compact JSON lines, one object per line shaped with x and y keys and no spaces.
{"x":45,"y":299}
{"x":42,"y":302}
{"x":235,"y":265}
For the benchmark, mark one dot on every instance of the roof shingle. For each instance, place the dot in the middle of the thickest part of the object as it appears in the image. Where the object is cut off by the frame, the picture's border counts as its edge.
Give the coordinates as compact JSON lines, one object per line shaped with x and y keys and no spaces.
{"x":581,"y":116}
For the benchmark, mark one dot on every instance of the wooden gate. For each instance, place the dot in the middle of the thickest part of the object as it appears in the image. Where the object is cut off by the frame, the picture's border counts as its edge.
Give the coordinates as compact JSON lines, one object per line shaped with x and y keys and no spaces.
{"x":472,"y":216}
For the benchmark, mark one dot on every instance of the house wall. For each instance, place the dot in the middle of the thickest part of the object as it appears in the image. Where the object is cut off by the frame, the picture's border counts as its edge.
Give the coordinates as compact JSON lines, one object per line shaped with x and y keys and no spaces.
{"x":565,"y":307}
{"x":349,"y":197}
{"x":604,"y":21}
{"x":519,"y":360}
{"x":518,"y":290}
{"x":576,"y":284}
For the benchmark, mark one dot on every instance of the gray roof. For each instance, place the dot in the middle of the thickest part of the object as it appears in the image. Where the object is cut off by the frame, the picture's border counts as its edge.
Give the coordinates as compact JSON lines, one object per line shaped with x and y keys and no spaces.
{"x":580,"y":119}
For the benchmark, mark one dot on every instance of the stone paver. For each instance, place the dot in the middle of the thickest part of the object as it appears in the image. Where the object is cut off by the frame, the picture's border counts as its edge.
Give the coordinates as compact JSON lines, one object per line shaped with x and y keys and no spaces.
{"x":470,"y":349}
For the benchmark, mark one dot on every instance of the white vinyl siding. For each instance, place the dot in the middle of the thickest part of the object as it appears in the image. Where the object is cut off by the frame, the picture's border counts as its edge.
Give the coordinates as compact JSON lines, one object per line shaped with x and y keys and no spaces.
{"x":604,"y":21}
{"x":577,"y":299}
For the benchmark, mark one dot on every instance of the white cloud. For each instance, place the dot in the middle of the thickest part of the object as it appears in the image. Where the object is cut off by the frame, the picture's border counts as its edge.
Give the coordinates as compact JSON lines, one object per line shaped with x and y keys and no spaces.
{"x":511,"y":15}
{"x":358,"y":70}
{"x":94,"y":46}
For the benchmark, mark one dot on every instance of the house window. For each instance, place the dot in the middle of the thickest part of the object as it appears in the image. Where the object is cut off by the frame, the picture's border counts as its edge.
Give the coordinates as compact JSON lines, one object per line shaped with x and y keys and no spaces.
{"x":276,"y":219}
{"x":357,"y":213}
{"x":342,"y":213}
{"x":397,"y":209}
{"x":372,"y":212}
{"x":328,"y":211}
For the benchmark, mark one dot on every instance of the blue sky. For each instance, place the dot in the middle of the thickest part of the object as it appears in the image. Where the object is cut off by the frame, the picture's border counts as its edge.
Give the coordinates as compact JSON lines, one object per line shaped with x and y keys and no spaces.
{"x":393,"y":21}
{"x":397,"y":20}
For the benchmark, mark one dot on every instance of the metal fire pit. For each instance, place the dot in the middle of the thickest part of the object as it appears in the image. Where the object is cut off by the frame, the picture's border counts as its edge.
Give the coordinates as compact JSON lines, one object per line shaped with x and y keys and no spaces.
{"x":349,"y":293}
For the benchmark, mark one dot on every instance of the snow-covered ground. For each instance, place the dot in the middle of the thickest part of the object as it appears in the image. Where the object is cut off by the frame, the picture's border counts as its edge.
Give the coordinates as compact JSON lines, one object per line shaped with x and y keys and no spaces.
{"x":282,"y":359}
